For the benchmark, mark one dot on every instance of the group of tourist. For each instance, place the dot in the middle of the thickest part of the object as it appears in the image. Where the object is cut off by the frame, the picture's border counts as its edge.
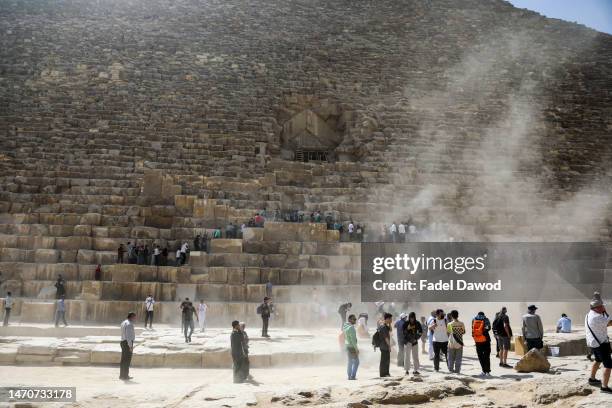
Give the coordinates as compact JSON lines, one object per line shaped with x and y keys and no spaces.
{"x":142,"y":255}
{"x":399,"y":232}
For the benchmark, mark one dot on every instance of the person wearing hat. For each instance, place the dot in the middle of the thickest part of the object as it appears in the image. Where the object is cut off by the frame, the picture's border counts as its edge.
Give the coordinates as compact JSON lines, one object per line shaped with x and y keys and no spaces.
{"x":533,"y":331}
{"x":399,"y":329}
{"x":597,"y":322}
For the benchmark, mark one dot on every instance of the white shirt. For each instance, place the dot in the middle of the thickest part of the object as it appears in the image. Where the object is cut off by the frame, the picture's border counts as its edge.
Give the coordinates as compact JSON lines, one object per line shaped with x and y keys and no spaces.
{"x":351,"y":228}
{"x":401,"y":229}
{"x":8,"y":302}
{"x":184,"y":248}
{"x":393,"y":228}
{"x":202,"y":309}
{"x":412,"y":229}
{"x":156,"y":251}
{"x":127,"y":332}
{"x":440,"y":333}
{"x":149,"y":302}
{"x":178,"y":253}
{"x":598,"y":322}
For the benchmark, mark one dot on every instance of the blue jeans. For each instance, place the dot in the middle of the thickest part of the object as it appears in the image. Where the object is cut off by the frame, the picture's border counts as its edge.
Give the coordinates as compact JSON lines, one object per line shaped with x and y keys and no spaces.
{"x":353,"y":364}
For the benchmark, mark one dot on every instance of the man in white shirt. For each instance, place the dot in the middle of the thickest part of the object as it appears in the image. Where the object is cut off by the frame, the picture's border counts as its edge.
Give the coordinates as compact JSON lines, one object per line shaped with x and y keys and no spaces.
{"x":8,"y":305}
{"x":597,"y":322}
{"x":202,"y":307}
{"x":351,"y":230}
{"x":440,"y":337}
{"x":127,"y":346}
{"x":393,"y":231}
{"x":402,"y":232}
{"x":149,"y":304}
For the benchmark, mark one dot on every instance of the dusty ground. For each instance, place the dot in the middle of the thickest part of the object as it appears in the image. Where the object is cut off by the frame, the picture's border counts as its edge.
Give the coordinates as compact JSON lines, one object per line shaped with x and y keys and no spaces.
{"x":319,"y":386}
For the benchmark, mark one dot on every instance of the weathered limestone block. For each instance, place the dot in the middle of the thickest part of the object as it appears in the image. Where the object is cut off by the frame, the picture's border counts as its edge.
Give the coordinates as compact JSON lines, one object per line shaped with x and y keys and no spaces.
{"x":260,"y":360}
{"x":252,"y":275}
{"x":85,"y":256}
{"x":255,"y":293}
{"x":217,"y":359}
{"x":12,"y":255}
{"x":82,"y":230}
{"x":33,"y":358}
{"x":311,"y":276}
{"x":67,"y":256}
{"x":106,"y":354}
{"x":232,"y":246}
{"x":61,"y":230}
{"x":237,"y":293}
{"x":8,"y":354}
{"x":184,"y":204}
{"x":37,"y":312}
{"x":105,"y":258}
{"x":235,"y":276}
{"x":253,"y":235}
{"x":217,"y":274}
{"x":333,"y":277}
{"x":212,"y":292}
{"x":148,"y":357}
{"x":332,"y":235}
{"x":173,"y":274}
{"x":289,"y":276}
{"x":91,"y":290}
{"x":204,"y":208}
{"x":100,"y":232}
{"x":91,"y":219}
{"x":270,"y":274}
{"x":289,"y":359}
{"x":46,"y":256}
{"x":534,"y":360}
{"x":290,"y":248}
{"x":69,"y":271}
{"x":145,"y":233}
{"x":9,"y":241}
{"x":319,"y":261}
{"x":124,"y":272}
{"x":73,"y":357}
{"x":181,"y":359}
{"x":71,"y":243}
{"x":344,"y":262}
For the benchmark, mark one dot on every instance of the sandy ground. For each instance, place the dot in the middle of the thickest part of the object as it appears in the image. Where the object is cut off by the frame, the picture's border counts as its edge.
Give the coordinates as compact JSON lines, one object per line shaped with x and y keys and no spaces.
{"x":162,"y":387}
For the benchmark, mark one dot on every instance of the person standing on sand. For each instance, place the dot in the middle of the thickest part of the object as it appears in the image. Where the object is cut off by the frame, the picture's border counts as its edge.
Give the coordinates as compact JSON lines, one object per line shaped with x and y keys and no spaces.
{"x":350,"y":343}
{"x":265,"y":310}
{"x":533,"y":331}
{"x":423,"y":335}
{"x":60,"y":311}
{"x":430,"y":320}
{"x":596,"y":324}
{"x":456,"y":330}
{"x":439,"y":336}
{"x":148,"y":306}
{"x":503,"y":331}
{"x":385,"y":345}
{"x":480,"y":333}
{"x":188,"y":313}
{"x":399,"y":332}
{"x":238,"y":353}
{"x":413,"y":331}
{"x":127,"y":346}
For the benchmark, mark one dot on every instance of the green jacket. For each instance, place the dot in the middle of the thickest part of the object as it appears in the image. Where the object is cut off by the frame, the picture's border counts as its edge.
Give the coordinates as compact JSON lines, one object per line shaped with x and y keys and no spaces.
{"x":350,"y":336}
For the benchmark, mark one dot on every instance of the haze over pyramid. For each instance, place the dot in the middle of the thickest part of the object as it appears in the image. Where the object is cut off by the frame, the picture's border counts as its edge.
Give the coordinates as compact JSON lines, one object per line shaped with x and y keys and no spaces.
{"x":476,"y":119}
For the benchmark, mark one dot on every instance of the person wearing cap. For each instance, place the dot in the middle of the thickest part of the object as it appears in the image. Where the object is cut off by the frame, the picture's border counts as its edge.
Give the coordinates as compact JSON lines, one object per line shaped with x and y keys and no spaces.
{"x":533,"y":331}
{"x":597,"y":322}
{"x":399,"y":329}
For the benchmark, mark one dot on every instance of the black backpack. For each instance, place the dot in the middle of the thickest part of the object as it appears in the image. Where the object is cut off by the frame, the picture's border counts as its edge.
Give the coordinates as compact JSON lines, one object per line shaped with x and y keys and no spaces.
{"x":259,"y":309}
{"x":376,"y":339}
{"x":498,"y":325}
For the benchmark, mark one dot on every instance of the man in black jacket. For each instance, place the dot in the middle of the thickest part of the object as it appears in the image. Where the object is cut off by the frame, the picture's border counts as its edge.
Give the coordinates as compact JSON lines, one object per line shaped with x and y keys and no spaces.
{"x":238,"y":352}
{"x":265,"y":310}
{"x":385,"y":345}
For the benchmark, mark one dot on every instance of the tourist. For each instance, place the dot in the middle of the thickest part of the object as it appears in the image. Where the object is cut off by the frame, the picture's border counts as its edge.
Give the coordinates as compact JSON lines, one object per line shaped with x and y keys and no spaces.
{"x":393,"y":232}
{"x":178,"y":257}
{"x":456,"y":330}
{"x":127,"y":346}
{"x":351,"y":231}
{"x":182,"y":306}
{"x":188,"y":325}
{"x":413,"y":331}
{"x":342,"y":311}
{"x":8,"y":305}
{"x":533,"y":331}
{"x":60,"y":287}
{"x":196,"y":243}
{"x":147,"y":255}
{"x":184,"y":252}
{"x":246,"y":366}
{"x":412,"y":233}
{"x":217,"y":233}
{"x":60,"y":311}
{"x":265,"y":310}
{"x":269,"y":288}
{"x":350,"y":342}
{"x":164,"y":257}
{"x":430,"y":320}
{"x":496,"y":336}
{"x":98,"y":273}
{"x":399,"y":332}
{"x":401,"y":230}
{"x":130,"y":253}
{"x":480,"y":333}
{"x":148,"y":307}
{"x":385,"y":345}
{"x":362,"y":326}
{"x":120,"y":252}
{"x":424,"y":335}
{"x":597,"y":322}
{"x":501,"y":326}
{"x":439,"y":337}
{"x":564,"y":325}
{"x":238,"y":353}
{"x":204,"y":242}
{"x":156,"y":253}
{"x":383,"y":233}
{"x":259,"y":220}
{"x":229,"y":231}
{"x":202,"y":308}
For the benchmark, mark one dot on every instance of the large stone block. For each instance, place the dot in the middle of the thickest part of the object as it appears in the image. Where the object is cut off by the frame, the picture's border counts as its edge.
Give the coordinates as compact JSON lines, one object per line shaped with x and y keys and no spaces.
{"x":253,"y":234}
{"x":39,"y":312}
{"x":204,"y":208}
{"x":217,"y":274}
{"x":71,"y":243}
{"x":148,"y":357}
{"x":46,"y":256}
{"x":231,"y":246}
{"x":180,"y":359}
{"x":184,"y":204}
{"x":145,"y":233}
{"x":124,"y":272}
{"x":235,"y":276}
{"x":289,"y":276}
{"x":216,"y":359}
{"x":106,"y":354}
{"x":252,"y":275}
{"x":311,"y":276}
{"x":85,"y":257}
{"x":91,"y":290}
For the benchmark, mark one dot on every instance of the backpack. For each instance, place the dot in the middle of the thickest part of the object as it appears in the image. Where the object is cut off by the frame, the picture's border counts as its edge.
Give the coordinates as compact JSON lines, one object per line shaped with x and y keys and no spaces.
{"x":376,"y":339}
{"x":478,"y":331}
{"x":259,"y":309}
{"x":498,"y":325}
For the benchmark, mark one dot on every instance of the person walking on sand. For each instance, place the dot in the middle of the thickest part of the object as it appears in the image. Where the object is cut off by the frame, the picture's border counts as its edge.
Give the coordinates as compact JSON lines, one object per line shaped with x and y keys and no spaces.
{"x":501,"y":326}
{"x":456,"y":330}
{"x":596,"y":324}
{"x":8,"y":305}
{"x":202,"y":308}
{"x":127,"y":346}
{"x":384,"y":332}
{"x":265,"y":310}
{"x":413,"y":332}
{"x":60,"y":311}
{"x":399,"y":332}
{"x":350,"y":343}
{"x":480,"y":333}
{"x":188,"y":313}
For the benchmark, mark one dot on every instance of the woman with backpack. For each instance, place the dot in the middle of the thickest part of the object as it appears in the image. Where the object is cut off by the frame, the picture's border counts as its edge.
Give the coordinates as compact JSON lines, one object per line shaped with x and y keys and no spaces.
{"x":480,"y":333}
{"x":413,"y":331}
